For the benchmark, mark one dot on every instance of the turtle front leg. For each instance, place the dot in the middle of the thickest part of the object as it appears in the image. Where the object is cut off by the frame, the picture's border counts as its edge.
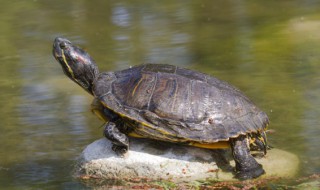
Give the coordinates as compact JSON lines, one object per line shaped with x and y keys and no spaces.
{"x":246,"y":166}
{"x":119,"y":140}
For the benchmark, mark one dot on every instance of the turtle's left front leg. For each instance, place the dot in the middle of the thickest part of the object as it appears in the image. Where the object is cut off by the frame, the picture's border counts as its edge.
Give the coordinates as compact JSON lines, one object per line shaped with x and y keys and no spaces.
{"x":246,"y":166}
{"x":119,"y":140}
{"x":111,"y":131}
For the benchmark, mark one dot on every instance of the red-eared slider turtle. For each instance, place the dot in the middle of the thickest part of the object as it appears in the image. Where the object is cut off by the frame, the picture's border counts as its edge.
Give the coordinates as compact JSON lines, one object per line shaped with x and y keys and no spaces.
{"x":168,"y":103}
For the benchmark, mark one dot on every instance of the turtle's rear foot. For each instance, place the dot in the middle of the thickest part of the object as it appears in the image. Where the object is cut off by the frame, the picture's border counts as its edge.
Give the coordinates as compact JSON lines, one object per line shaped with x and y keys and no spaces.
{"x":246,"y":166}
{"x":249,"y":173}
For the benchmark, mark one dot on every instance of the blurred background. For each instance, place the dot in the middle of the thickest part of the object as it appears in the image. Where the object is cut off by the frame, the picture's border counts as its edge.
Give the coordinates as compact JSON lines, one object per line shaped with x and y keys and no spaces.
{"x":268,"y":49}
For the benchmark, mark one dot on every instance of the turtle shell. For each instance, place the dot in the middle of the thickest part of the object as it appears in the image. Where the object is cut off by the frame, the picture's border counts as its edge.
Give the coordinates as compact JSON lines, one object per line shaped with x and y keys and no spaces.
{"x":169,"y":103}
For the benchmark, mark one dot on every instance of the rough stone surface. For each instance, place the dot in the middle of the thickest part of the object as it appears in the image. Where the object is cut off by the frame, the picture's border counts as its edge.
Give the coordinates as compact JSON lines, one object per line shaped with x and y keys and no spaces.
{"x":154,"y":160}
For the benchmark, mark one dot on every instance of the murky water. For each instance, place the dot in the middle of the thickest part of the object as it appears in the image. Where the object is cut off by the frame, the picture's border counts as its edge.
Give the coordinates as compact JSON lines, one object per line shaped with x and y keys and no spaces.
{"x":269,"y":49}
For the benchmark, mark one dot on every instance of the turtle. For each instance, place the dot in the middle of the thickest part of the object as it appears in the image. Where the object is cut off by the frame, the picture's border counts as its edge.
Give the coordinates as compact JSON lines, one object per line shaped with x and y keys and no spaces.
{"x":168,"y":103}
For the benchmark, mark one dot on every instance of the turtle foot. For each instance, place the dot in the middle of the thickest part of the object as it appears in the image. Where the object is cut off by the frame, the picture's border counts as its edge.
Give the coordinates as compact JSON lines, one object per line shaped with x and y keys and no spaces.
{"x":250,"y":174}
{"x":121,"y":151}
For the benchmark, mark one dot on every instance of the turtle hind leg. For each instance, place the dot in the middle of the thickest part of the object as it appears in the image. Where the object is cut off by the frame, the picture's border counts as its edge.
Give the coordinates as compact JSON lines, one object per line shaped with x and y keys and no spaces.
{"x":119,"y":140}
{"x":246,"y":166}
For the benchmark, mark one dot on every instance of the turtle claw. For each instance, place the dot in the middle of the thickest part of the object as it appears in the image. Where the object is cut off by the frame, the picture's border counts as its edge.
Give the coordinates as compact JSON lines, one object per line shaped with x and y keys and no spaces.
{"x":121,"y":151}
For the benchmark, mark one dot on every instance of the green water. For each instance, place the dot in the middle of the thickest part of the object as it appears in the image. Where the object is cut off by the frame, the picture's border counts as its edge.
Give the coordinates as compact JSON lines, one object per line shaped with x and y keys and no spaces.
{"x":268,"y":49}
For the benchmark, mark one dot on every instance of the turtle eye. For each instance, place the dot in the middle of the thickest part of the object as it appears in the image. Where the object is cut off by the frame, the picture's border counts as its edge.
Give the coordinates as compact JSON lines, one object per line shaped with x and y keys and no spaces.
{"x":63,"y":45}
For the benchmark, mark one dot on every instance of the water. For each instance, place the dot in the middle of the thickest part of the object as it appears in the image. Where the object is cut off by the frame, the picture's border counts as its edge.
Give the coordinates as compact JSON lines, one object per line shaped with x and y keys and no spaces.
{"x":268,"y":49}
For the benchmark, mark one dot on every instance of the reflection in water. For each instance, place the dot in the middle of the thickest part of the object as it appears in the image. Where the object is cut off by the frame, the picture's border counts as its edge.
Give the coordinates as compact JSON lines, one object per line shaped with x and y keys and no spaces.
{"x":51,"y":118}
{"x":164,"y":40}
{"x":311,"y":119}
{"x":120,"y":16}
{"x":158,"y":40}
{"x":51,"y":132}
{"x":78,"y":121}
{"x":271,"y":54}
{"x":40,"y":108}
{"x":121,"y":19}
{"x":244,"y":32}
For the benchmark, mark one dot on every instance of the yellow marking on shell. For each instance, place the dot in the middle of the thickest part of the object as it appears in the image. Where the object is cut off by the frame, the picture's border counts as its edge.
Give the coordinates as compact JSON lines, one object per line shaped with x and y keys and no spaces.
{"x":141,"y":122}
{"x":66,"y":63}
{"x":217,"y":145}
{"x":133,"y":134}
{"x":101,"y":116}
{"x":151,"y":127}
{"x":135,"y":88}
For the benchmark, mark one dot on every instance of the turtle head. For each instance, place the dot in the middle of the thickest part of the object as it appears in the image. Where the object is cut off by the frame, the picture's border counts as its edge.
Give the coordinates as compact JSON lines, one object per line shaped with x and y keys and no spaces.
{"x":76,"y":63}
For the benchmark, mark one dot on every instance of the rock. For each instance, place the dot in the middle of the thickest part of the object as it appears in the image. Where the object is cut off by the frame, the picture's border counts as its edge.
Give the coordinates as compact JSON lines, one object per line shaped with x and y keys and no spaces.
{"x":154,"y":160}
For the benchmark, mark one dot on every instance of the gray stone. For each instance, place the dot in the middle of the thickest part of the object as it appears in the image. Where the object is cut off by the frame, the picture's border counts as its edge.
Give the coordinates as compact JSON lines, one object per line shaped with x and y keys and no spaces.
{"x":155,"y":160}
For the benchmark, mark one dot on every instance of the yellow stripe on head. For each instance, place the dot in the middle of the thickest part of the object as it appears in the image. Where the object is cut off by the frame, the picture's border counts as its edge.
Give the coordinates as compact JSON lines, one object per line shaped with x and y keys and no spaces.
{"x":66,"y":63}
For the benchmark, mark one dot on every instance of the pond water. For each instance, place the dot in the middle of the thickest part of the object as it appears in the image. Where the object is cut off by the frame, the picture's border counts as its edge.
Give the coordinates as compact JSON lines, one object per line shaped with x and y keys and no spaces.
{"x":268,"y":49}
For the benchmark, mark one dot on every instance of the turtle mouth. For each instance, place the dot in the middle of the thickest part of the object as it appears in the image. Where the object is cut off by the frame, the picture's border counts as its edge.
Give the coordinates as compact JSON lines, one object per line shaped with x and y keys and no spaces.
{"x":56,"y":54}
